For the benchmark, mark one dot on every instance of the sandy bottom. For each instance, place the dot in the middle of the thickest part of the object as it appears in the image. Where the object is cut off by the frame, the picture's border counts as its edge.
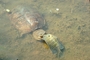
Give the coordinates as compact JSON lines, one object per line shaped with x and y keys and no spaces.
{"x":71,"y":24}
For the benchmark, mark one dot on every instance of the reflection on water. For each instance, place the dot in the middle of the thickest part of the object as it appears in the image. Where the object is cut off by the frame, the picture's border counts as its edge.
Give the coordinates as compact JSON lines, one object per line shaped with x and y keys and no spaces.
{"x":71,"y":24}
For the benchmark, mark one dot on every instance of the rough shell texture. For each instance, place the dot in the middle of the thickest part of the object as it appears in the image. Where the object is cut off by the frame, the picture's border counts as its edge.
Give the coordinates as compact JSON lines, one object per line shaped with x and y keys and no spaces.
{"x":54,"y":44}
{"x":38,"y":33}
{"x":26,"y":19}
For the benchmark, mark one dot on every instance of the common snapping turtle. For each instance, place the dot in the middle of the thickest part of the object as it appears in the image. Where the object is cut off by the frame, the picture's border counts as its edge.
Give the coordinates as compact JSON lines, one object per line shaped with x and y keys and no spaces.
{"x":25,"y":19}
{"x":28,"y":20}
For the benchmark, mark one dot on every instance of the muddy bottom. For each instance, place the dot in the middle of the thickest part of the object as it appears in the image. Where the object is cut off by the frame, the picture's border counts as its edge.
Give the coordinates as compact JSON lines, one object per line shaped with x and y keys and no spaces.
{"x":69,"y":20}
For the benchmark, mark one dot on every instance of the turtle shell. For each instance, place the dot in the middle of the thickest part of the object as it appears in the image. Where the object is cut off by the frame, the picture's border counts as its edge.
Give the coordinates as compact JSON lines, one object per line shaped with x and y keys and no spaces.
{"x":26,"y":19}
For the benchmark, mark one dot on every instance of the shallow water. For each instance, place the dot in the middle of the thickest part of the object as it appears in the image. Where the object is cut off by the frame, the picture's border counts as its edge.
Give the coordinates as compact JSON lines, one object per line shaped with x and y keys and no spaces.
{"x":71,"y":24}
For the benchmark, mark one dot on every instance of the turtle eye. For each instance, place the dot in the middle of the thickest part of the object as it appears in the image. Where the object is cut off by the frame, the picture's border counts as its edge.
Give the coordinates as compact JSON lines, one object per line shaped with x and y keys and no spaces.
{"x":41,"y":36}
